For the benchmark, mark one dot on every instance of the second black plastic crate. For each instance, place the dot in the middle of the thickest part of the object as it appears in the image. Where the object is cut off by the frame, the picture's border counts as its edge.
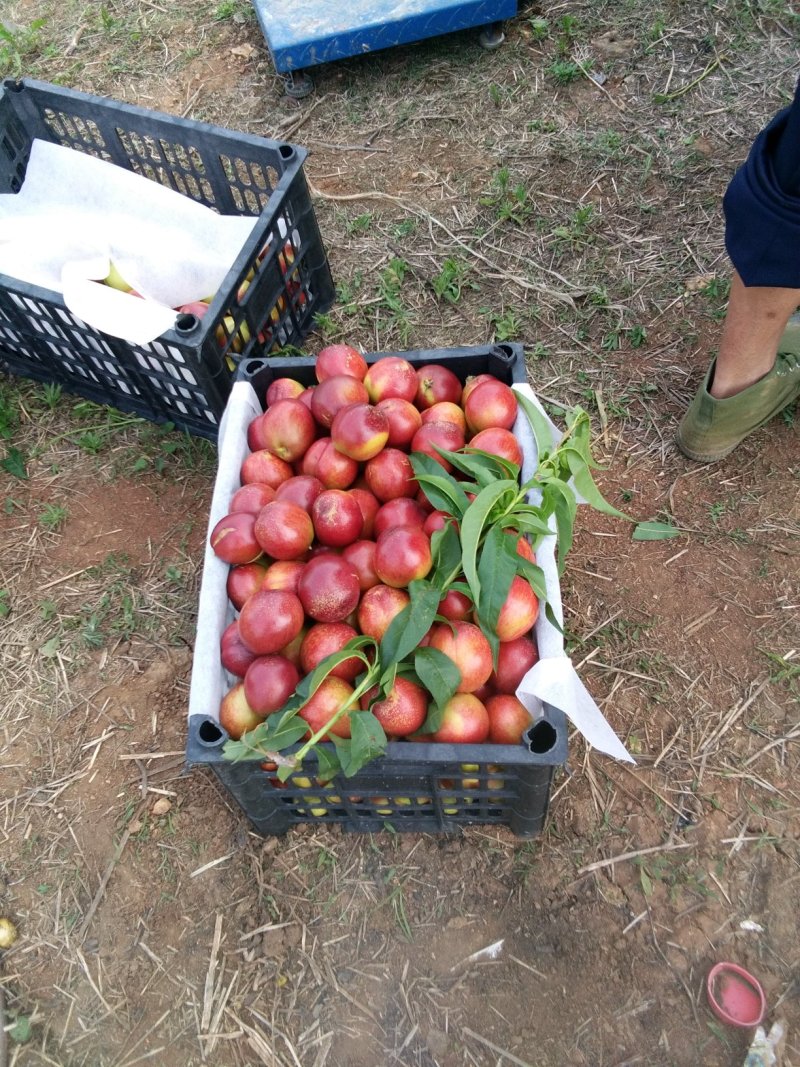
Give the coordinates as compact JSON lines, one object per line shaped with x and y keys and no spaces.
{"x":184,"y":376}
{"x":427,"y":787}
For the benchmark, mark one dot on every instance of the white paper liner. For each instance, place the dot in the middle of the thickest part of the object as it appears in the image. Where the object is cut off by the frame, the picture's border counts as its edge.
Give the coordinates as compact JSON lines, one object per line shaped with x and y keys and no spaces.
{"x":554,"y":680}
{"x":76,"y":213}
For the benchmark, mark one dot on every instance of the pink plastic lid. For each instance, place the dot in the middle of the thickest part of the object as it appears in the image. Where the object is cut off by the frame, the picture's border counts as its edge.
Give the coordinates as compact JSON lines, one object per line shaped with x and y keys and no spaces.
{"x":735,"y":996}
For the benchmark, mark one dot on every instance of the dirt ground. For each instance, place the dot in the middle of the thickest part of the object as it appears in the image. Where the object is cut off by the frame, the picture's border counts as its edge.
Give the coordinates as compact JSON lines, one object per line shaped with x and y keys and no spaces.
{"x":530,"y":203}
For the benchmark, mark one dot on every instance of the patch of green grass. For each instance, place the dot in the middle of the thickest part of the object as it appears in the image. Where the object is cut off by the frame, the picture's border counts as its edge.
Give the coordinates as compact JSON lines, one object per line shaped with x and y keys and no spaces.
{"x":391,"y":306}
{"x":506,"y":326}
{"x":717,"y":510}
{"x":783,"y":669}
{"x":174,"y":574}
{"x":48,"y":609}
{"x":540,"y":28}
{"x":542,"y":126}
{"x":675,"y":873}
{"x":451,"y":279}
{"x":17,"y":45}
{"x":565,"y":71}
{"x":397,"y":900}
{"x":9,"y":411}
{"x":579,"y":231}
{"x":656,"y":30}
{"x":232,"y":10}
{"x":637,"y":335}
{"x":119,"y":610}
{"x":617,"y":406}
{"x":717,"y":292}
{"x":608,"y":144}
{"x":360,"y":224}
{"x":5,"y":603}
{"x":610,"y":341}
{"x":15,"y":463}
{"x":538,"y":351}
{"x":51,"y":394}
{"x":510,"y":201}
{"x":165,"y":450}
{"x":52,"y":516}
{"x":405,"y":228}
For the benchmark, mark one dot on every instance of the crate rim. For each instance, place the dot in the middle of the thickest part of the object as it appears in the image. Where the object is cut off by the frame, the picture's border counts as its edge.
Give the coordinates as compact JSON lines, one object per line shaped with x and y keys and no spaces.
{"x":250,"y":367}
{"x":201,"y":752}
{"x":19,"y":85}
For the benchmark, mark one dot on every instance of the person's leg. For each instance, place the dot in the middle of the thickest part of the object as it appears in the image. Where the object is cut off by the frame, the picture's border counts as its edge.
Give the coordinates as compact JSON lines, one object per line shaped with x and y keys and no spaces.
{"x":713,"y":426}
{"x":754,"y":324}
{"x":757,"y":370}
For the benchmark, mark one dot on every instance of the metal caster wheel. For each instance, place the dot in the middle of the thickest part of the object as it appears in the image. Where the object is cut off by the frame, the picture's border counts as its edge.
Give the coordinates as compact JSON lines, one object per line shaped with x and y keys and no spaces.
{"x":491,"y":37}
{"x":298,"y":84}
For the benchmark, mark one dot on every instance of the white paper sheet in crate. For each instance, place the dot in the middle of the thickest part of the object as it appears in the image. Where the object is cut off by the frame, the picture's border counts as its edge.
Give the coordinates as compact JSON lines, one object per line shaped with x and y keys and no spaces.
{"x":553,"y":680}
{"x":75,"y":213}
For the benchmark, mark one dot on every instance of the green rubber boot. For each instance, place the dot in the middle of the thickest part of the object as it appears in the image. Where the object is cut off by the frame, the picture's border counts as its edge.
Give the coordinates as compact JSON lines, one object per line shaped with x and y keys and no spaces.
{"x":712,"y":428}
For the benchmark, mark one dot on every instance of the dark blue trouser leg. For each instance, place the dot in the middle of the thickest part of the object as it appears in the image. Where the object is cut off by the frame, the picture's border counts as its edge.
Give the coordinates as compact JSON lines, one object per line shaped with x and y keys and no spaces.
{"x":762,"y":206}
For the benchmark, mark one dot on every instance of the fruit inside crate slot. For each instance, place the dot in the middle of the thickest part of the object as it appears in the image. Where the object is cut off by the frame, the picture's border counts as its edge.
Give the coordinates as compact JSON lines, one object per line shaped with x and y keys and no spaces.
{"x":269,"y":302}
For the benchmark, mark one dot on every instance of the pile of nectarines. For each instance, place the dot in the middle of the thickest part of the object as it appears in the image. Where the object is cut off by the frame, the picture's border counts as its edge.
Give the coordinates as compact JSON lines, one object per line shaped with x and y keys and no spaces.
{"x":330,"y":527}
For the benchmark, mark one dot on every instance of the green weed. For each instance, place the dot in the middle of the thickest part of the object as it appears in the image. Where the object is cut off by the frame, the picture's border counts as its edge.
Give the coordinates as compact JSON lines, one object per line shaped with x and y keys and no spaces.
{"x":538,"y":351}
{"x":565,"y":71}
{"x":9,"y":412}
{"x":51,"y":394}
{"x":16,"y":45}
{"x":579,"y":228}
{"x":360,"y":224}
{"x":540,"y":28}
{"x":235,"y":10}
{"x":505,"y":325}
{"x":637,"y":335}
{"x":451,"y":280}
{"x":174,"y":574}
{"x":52,"y":516}
{"x":404,"y":228}
{"x":783,"y":669}
{"x":391,"y":303}
{"x":608,"y":144}
{"x":510,"y":202}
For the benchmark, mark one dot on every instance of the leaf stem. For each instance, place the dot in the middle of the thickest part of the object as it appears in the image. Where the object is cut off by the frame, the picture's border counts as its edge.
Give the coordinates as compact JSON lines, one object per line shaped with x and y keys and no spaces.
{"x":369,"y":680}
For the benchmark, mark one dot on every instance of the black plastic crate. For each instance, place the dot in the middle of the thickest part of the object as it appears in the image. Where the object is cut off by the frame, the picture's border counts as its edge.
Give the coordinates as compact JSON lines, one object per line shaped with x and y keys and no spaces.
{"x":427,"y":788}
{"x":415,"y":786}
{"x":184,"y":376}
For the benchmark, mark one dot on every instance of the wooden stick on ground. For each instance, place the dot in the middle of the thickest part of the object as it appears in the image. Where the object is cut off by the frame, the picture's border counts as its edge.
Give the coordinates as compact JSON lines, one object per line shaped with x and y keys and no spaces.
{"x":108,"y":872}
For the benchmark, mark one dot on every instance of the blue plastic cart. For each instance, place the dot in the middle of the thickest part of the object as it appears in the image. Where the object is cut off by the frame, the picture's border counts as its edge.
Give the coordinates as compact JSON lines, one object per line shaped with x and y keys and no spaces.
{"x":305,"y":33}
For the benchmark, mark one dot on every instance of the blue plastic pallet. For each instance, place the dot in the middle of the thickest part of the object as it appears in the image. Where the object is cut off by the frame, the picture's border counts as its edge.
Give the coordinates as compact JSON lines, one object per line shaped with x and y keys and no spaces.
{"x":304,"y":33}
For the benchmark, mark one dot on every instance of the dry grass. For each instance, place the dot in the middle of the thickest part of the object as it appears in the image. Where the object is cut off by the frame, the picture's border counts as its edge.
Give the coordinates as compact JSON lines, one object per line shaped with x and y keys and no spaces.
{"x":463,"y":196}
